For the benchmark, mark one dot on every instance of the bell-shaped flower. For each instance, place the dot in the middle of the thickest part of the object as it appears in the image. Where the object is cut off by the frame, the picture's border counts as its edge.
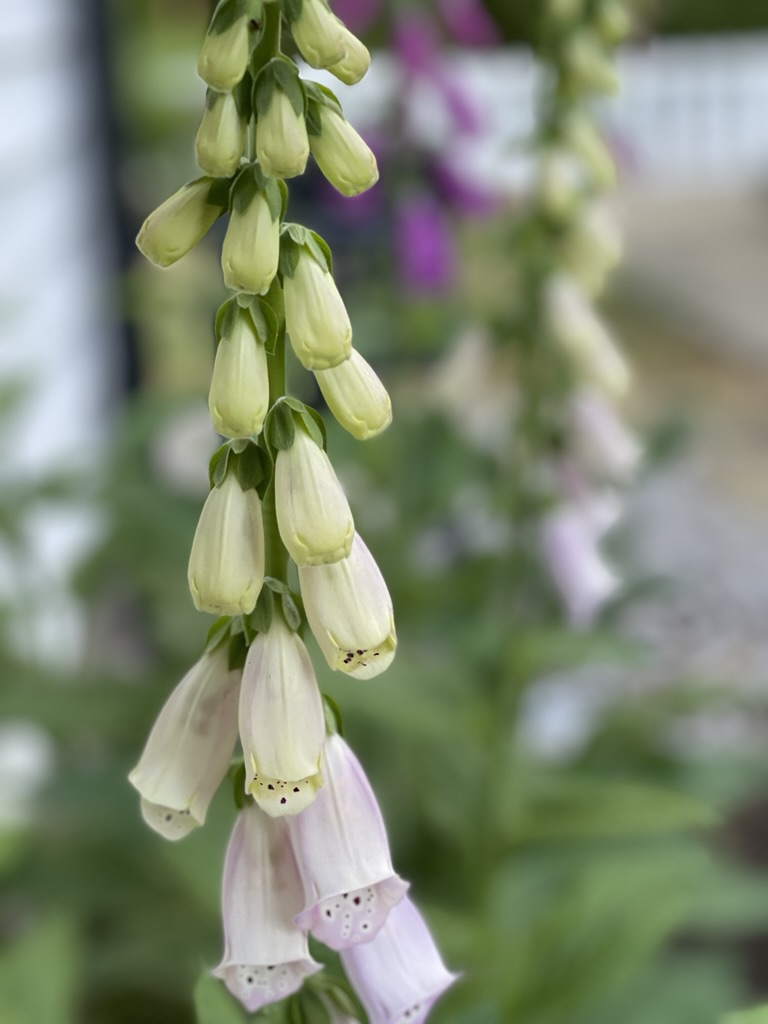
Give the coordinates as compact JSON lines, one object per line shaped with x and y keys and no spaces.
{"x":582,"y":334}
{"x":315,"y":315}
{"x":223,"y":57}
{"x":560,"y":183}
{"x":342,"y":155}
{"x":282,"y":144}
{"x":251,"y":249}
{"x":349,"y":610}
{"x":221,"y":135}
{"x":353,"y":66}
{"x":589,"y":65}
{"x":226,"y":563}
{"x":600,"y":440}
{"x":266,"y":957}
{"x":318,"y":34}
{"x":570,"y":541}
{"x":282,"y":724}
{"x":313,"y":514}
{"x":583,"y":138}
{"x":342,"y":853}
{"x":238,"y":399}
{"x":178,"y":224}
{"x":356,"y":397}
{"x":592,"y":246}
{"x":399,"y":975}
{"x":189,"y":748}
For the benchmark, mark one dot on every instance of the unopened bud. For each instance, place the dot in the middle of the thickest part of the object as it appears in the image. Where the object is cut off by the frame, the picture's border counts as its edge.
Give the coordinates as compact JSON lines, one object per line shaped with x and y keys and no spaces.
{"x":221,"y":135}
{"x":315,"y":316}
{"x":223,"y":56}
{"x":178,"y":224}
{"x":282,"y":145}
{"x":251,"y":249}
{"x":239,"y":396}
{"x":355,"y":64}
{"x":356,"y":397}
{"x":342,"y":155}
{"x":318,"y":34}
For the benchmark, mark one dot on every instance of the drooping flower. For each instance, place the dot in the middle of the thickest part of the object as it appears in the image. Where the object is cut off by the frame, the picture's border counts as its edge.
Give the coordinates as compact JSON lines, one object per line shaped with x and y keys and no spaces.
{"x":313,"y":514}
{"x":349,"y":610}
{"x":399,"y":975}
{"x":342,"y":853}
{"x":316,"y":319}
{"x":282,"y":724}
{"x":189,"y":748}
{"x":223,"y":57}
{"x":266,"y":957}
{"x":600,"y":440}
{"x":238,"y":399}
{"x":226,"y":563}
{"x":282,"y":145}
{"x":353,"y":66}
{"x":221,"y":135}
{"x":342,"y":154}
{"x":178,"y":224}
{"x":251,"y":249}
{"x":356,"y":397}
{"x":317,"y":33}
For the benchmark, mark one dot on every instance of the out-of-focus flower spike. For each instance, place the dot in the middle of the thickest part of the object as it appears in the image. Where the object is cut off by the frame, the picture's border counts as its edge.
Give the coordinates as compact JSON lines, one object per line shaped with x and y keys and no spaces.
{"x":578,"y":329}
{"x":399,"y":975}
{"x":313,"y":514}
{"x":226,"y":563}
{"x":178,"y":224}
{"x":356,"y":397}
{"x":589,"y":64}
{"x":189,"y":748}
{"x":282,"y":723}
{"x":342,"y":853}
{"x":600,"y":440}
{"x":342,"y":155}
{"x":581,"y":135}
{"x":266,"y":957}
{"x":317,"y":32}
{"x":349,"y":610}
{"x":223,"y":57}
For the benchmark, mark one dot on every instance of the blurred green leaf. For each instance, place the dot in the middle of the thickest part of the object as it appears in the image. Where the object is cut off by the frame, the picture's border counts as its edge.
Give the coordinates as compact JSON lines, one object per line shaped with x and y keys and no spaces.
{"x":39,"y":975}
{"x":757,"y":1016}
{"x":214,"y":1004}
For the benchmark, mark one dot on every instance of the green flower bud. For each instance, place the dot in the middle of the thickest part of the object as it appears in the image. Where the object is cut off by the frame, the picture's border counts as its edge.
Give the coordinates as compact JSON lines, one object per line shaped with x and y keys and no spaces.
{"x":356,"y":397}
{"x":613,"y":22}
{"x":239,"y":396}
{"x":223,"y":58}
{"x":560,"y":183}
{"x":282,"y":146}
{"x":315,"y":316}
{"x":226,"y":563}
{"x":313,"y":514}
{"x":318,"y":34}
{"x":342,"y":155}
{"x":221,"y":136}
{"x":178,"y":224}
{"x":356,"y":61}
{"x":585,"y":140}
{"x":251,"y":249}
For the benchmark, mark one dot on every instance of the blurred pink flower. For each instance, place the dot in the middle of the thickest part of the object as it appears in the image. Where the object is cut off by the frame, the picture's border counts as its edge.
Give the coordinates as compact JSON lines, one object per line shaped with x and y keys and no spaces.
{"x":462,"y":194}
{"x":468,"y":22}
{"x":425,"y":247}
{"x":357,"y":15}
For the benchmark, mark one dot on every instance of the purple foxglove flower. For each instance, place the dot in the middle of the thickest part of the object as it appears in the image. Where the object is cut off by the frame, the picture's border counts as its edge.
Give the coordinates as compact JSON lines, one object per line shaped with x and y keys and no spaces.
{"x":569,"y":537}
{"x":343,"y":856}
{"x":415,"y":43}
{"x":399,"y":975}
{"x":458,"y":191}
{"x":425,"y":247}
{"x":282,"y":723}
{"x":266,"y":957}
{"x":468,"y":22}
{"x":190,"y":747}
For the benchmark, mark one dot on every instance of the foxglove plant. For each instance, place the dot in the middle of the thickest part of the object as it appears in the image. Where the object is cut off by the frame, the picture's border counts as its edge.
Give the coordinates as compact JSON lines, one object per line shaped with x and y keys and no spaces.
{"x":309,"y":850}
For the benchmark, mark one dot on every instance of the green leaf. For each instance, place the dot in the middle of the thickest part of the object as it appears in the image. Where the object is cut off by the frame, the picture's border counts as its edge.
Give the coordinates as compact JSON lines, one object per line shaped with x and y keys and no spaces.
{"x":250,"y":466}
{"x":275,"y":197}
{"x":246,"y":186}
{"x":280,"y":428}
{"x":217,"y":633}
{"x":291,"y":613}
{"x":261,"y":617}
{"x":333,"y":719}
{"x":320,"y":249}
{"x":238,"y":649}
{"x":292,"y":9}
{"x":218,"y":466}
{"x":289,"y":252}
{"x":227,"y":316}
{"x":214,"y":1004}
{"x":236,"y":775}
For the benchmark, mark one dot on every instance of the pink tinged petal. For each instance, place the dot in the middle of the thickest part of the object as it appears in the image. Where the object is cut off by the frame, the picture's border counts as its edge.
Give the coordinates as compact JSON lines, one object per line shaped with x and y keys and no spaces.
{"x":578,"y":569}
{"x":342,"y":853}
{"x":189,"y":749}
{"x":282,"y":724}
{"x":600,"y":439}
{"x":266,"y":957}
{"x":399,"y":975}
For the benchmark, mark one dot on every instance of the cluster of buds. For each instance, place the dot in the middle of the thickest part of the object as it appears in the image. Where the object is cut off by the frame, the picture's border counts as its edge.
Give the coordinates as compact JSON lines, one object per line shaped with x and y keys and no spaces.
{"x":309,"y":852}
{"x":575,"y":171}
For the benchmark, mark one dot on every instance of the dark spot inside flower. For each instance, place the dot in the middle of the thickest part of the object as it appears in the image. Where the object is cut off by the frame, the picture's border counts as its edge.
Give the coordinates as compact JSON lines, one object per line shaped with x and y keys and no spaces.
{"x":345,"y":895}
{"x":270,"y":786}
{"x":376,"y":654}
{"x":271,"y":967}
{"x":168,"y":817}
{"x":282,"y":800}
{"x":249,"y":979}
{"x":356,"y":901}
{"x":329,"y":913}
{"x":295,"y":789}
{"x":254,"y":25}
{"x":361,"y":652}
